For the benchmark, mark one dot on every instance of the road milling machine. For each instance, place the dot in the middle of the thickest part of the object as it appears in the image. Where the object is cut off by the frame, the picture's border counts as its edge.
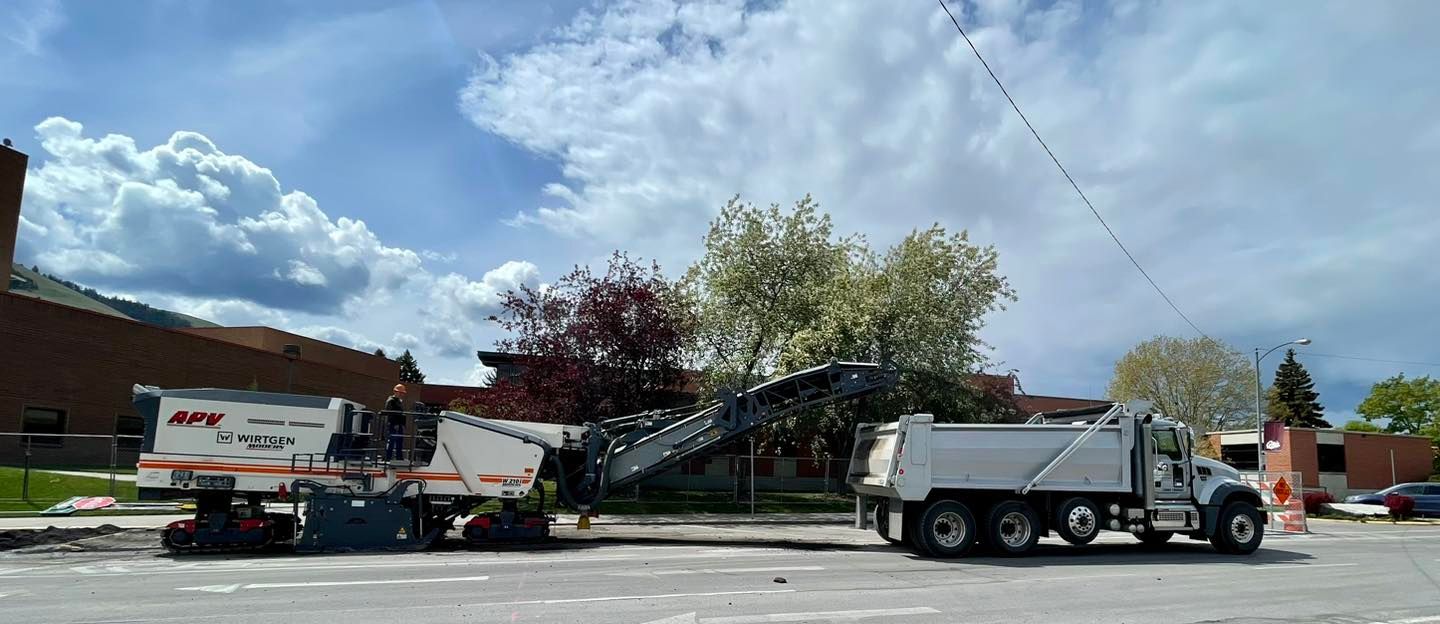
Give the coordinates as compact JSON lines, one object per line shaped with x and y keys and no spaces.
{"x":233,"y":451}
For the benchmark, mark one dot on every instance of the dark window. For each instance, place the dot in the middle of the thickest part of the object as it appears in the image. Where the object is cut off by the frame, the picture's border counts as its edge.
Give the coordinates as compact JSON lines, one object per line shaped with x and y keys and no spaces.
{"x":1240,"y":456}
{"x":1408,"y":490}
{"x":1331,"y":457}
{"x":129,"y":426}
{"x":43,"y":420}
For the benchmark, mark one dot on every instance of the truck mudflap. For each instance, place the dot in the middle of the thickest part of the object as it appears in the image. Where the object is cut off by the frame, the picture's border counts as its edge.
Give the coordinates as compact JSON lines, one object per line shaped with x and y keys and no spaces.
{"x":340,"y":520}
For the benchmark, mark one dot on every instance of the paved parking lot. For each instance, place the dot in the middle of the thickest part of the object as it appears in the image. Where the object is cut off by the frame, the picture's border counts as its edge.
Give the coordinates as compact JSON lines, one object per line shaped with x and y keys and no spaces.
{"x":727,"y":574}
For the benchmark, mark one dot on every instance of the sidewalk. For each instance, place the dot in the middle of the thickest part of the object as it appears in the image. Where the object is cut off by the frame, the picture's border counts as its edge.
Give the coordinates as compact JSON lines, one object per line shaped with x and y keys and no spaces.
{"x":156,"y":521}
{"x":130,"y":478}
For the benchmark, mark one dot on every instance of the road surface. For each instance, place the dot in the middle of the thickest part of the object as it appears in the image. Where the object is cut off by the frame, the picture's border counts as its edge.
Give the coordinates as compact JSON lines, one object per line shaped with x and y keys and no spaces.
{"x":726,"y":575}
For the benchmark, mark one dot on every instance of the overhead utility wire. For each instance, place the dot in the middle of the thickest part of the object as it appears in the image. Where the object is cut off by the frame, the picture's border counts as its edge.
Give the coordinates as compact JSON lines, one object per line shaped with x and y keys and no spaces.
{"x":1303,"y":354}
{"x":1067,"y":174}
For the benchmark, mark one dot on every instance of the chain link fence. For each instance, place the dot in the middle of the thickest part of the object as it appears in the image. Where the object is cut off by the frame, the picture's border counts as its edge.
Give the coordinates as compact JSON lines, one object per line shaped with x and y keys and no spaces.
{"x":740,"y":483}
{"x":47,"y":468}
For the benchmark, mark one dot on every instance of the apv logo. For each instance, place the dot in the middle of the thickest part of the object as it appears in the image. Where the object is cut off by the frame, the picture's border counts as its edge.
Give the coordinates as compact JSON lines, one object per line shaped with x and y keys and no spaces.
{"x":196,"y":419}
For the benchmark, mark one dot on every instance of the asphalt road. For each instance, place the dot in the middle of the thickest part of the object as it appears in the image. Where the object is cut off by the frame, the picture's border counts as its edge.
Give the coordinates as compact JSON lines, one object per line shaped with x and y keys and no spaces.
{"x":725,"y":575}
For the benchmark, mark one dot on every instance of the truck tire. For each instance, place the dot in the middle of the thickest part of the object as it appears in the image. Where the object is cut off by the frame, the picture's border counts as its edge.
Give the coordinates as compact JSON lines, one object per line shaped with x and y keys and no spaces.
{"x":1013,"y":529}
{"x":947,"y":529}
{"x":882,"y":520}
{"x":1239,"y":529}
{"x":1154,"y":539}
{"x":1078,"y":520}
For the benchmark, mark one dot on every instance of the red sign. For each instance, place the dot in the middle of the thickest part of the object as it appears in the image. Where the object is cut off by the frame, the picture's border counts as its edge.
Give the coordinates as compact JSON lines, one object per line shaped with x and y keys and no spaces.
{"x":201,"y":419}
{"x":1281,"y":490}
{"x":93,"y":502}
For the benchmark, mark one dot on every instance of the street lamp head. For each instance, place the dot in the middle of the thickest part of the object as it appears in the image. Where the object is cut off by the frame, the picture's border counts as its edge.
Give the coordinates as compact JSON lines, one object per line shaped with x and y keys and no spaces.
{"x":1303,"y":341}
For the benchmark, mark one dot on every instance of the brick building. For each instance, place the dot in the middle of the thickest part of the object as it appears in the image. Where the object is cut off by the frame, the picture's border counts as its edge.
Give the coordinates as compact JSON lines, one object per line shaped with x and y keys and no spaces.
{"x":1334,"y":460}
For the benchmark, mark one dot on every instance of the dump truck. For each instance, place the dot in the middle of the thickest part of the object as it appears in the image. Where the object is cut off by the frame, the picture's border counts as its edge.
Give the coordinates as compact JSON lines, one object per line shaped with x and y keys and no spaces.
{"x":941,"y":489}
{"x":236,"y":452}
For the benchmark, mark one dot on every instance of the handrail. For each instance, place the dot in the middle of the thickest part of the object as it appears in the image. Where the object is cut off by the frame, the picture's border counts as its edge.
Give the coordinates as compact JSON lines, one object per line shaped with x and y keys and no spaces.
{"x":1074,"y":446}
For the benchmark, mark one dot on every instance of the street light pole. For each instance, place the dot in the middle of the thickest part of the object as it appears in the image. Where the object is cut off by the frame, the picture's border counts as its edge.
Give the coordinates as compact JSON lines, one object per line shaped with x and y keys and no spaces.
{"x":1259,"y":416}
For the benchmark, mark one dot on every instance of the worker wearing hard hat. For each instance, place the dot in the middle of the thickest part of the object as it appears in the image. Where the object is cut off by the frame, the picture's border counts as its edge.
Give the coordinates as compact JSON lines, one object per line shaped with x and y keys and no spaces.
{"x":395,"y":419}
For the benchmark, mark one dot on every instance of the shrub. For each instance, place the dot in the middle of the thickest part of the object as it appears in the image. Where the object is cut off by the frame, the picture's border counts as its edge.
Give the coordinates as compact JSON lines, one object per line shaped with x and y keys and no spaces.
{"x":1313,"y":501}
{"x":1400,"y":506}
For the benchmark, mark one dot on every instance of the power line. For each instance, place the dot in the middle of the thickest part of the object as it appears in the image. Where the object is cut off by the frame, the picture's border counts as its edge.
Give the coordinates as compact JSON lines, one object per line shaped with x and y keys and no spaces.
{"x":1364,"y":359}
{"x":1067,"y":174}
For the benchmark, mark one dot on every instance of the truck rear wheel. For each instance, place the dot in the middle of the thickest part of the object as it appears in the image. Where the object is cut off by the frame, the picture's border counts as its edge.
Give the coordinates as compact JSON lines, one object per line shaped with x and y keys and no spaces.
{"x":1239,"y":529}
{"x":1078,"y":520}
{"x":1014,"y":528}
{"x":882,"y":520}
{"x":947,"y":529}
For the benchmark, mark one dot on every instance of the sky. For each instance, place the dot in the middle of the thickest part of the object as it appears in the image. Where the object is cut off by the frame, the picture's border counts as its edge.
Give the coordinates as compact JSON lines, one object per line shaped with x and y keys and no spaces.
{"x":377,"y":174}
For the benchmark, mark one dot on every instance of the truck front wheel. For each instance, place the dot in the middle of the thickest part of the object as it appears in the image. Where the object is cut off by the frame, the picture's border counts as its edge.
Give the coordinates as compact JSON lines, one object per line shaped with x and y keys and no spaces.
{"x":1239,"y":529}
{"x":947,"y":529}
{"x":1014,"y":528}
{"x":1078,"y":520}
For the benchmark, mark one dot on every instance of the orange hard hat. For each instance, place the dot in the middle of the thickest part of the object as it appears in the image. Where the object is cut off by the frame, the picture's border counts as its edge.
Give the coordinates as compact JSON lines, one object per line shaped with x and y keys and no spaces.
{"x":400,"y":388}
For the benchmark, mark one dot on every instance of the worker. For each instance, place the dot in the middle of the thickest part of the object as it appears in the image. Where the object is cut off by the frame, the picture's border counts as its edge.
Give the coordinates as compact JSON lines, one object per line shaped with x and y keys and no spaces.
{"x":395,"y":417}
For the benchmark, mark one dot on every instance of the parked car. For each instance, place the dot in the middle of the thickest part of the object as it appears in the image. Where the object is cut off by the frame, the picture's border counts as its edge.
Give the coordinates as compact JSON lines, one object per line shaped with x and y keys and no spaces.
{"x":1426,"y":495}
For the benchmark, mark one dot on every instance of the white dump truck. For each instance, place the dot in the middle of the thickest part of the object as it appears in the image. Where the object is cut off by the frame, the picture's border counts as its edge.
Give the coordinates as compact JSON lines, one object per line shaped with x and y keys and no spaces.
{"x":941,"y":488}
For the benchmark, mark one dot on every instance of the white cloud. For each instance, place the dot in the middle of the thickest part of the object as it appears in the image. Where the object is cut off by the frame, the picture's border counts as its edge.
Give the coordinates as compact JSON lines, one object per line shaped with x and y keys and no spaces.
{"x":28,"y":23}
{"x":187,"y":226}
{"x":480,"y":375}
{"x":1269,"y":167}
{"x":403,"y":340}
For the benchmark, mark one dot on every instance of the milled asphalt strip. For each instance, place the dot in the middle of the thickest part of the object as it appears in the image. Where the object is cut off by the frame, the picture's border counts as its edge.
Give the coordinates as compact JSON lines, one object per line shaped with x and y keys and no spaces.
{"x":828,"y":616}
{"x":613,"y":598}
{"x":719,"y":571}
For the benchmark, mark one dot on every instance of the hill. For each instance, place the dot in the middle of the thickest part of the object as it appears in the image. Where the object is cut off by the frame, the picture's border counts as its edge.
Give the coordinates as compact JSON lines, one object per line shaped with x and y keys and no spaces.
{"x":57,"y":290}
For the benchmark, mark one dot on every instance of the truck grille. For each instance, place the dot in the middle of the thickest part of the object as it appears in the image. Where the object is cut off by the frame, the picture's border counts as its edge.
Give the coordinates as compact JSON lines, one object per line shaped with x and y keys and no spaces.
{"x":1170,"y":516}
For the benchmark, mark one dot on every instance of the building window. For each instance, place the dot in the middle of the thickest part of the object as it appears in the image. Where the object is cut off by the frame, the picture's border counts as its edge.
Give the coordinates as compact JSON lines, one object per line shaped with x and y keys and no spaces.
{"x":1241,"y":456}
{"x":1330,"y":457}
{"x":128,"y":426}
{"x":43,"y":420}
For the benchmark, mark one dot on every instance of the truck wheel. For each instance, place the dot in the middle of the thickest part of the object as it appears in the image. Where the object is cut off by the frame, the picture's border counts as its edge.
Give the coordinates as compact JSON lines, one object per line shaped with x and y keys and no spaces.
{"x":1154,"y":539}
{"x":1014,"y":528}
{"x":947,"y":529}
{"x":1239,"y":529}
{"x":1078,"y":520}
{"x":882,"y":520}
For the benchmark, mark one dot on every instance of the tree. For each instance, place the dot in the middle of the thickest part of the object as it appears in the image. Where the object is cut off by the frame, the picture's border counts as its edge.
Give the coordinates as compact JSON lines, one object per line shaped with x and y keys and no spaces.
{"x":1292,"y":396}
{"x":1198,"y":381}
{"x":409,"y":368}
{"x":1362,"y":425}
{"x":593,"y":347}
{"x":380,"y":351}
{"x":1410,"y":405}
{"x":777,"y":293}
{"x":764,"y":278}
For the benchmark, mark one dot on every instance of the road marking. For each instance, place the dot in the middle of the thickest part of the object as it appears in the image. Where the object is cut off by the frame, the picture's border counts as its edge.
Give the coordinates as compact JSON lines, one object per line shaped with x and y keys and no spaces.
{"x":1414,"y":620}
{"x":720,"y":571}
{"x":241,"y":566}
{"x":832,"y":616}
{"x":230,"y":589}
{"x":1302,"y":565}
{"x":18,"y":570}
{"x":614,"y":598}
{"x":14,"y":593}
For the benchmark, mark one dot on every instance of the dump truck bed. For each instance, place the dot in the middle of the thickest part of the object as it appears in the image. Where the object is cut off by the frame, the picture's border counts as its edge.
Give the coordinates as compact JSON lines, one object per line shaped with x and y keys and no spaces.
{"x":907,"y":459}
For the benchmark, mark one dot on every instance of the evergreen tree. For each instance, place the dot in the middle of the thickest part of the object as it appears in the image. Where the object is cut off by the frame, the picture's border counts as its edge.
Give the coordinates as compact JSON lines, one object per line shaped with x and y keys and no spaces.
{"x":1292,"y":396}
{"x":380,"y":351}
{"x":409,"y":369}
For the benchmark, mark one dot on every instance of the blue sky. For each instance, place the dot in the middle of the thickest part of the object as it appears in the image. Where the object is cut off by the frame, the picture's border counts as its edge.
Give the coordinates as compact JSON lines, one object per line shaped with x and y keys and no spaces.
{"x":374,"y":173}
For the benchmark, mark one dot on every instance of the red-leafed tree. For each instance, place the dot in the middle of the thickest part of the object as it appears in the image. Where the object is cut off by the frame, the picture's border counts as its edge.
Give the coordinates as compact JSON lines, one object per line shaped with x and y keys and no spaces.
{"x":592,"y":347}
